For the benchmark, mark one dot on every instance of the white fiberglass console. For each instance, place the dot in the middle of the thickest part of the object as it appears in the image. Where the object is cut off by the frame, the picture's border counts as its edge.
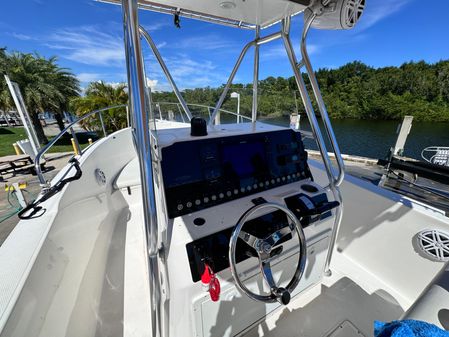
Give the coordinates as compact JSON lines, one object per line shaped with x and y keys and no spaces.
{"x":208,"y":183}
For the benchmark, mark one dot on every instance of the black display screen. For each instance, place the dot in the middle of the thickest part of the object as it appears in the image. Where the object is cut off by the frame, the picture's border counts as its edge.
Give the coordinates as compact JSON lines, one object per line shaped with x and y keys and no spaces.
{"x":202,"y":173}
{"x":245,"y":159}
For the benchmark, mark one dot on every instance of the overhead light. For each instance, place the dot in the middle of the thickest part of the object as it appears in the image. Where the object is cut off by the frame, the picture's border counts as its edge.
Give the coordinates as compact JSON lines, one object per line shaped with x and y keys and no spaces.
{"x":227,"y":5}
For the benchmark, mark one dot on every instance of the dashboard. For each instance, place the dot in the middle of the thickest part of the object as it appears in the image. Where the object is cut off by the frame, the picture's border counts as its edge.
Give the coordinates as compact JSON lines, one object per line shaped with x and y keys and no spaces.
{"x":206,"y":172}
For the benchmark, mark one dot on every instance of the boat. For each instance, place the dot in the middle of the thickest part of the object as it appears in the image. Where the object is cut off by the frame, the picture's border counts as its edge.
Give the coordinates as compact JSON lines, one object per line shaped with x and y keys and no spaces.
{"x":196,"y":228}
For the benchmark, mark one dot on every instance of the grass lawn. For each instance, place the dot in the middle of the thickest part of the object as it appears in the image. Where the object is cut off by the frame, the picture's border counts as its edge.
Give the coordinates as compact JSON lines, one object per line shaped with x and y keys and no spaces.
{"x":8,"y":136}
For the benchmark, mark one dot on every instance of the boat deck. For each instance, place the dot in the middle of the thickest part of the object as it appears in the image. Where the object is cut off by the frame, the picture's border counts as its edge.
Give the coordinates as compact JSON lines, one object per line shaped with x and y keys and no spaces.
{"x":345,"y":310}
{"x":367,"y":169}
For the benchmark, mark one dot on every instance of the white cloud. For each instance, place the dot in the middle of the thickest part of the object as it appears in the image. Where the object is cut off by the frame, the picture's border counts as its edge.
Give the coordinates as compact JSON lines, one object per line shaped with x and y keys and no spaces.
{"x":20,"y":36}
{"x":88,"y":45}
{"x":152,"y":84}
{"x":378,"y":10}
{"x":278,"y":51}
{"x":186,"y":72}
{"x":156,"y":25}
{"x":161,"y":45}
{"x":111,"y":78}
{"x":88,"y":77}
{"x":114,"y":84}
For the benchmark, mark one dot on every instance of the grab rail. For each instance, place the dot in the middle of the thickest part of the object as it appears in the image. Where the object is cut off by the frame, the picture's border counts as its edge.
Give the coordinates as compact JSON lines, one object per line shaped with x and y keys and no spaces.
{"x":69,"y":128}
{"x":333,"y":182}
{"x":37,"y":163}
{"x":209,"y":108}
{"x":320,"y":102}
{"x":158,"y":56}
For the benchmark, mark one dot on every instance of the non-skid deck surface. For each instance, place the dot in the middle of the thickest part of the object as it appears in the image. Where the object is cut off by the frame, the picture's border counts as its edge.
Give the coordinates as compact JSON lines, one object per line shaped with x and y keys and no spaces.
{"x":344,"y":309}
{"x":345,"y":329}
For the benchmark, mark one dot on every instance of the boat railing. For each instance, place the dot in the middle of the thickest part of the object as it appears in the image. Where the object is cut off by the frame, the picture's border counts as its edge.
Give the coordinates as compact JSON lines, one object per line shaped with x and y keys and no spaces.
{"x":69,"y":129}
{"x":160,"y":113}
{"x":207,"y":111}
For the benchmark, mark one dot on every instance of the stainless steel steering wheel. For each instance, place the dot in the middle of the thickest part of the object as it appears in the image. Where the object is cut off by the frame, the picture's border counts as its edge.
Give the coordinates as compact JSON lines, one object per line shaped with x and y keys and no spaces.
{"x":264,"y":248}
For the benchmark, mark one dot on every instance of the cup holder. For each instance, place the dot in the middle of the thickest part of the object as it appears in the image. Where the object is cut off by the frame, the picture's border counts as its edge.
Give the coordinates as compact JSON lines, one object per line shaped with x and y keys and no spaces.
{"x":309,"y":188}
{"x":443,"y":317}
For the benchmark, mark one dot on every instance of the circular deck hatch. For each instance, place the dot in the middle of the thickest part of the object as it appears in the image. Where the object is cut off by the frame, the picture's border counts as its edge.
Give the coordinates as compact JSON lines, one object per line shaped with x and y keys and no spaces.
{"x":434,"y":244}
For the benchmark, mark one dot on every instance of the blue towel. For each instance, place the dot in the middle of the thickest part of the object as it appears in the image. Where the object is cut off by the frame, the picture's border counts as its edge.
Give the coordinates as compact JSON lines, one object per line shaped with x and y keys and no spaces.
{"x":408,"y":328}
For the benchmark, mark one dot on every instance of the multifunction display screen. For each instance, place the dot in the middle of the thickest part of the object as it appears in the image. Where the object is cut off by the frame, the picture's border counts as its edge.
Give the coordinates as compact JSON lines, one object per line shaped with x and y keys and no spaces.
{"x":203,"y":173}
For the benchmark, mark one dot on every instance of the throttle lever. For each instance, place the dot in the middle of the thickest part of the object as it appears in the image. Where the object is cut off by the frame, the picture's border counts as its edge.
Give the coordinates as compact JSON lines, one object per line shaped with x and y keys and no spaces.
{"x":325,"y":207}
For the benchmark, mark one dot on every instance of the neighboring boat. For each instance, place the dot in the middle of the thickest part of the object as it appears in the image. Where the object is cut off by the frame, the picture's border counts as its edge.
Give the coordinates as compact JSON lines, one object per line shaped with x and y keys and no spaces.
{"x":206,"y":229}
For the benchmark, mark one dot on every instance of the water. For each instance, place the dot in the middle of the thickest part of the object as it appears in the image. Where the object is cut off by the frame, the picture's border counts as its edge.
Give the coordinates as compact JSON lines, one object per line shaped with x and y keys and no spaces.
{"x":373,"y":139}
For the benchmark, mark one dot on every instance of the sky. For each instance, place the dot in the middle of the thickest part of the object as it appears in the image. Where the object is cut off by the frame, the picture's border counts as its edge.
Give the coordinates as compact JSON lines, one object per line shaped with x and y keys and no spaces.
{"x":87,"y":38}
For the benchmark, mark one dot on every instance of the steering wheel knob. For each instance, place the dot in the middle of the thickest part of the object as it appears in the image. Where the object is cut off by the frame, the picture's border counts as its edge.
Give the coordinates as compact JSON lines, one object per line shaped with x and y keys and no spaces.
{"x":283,"y":296}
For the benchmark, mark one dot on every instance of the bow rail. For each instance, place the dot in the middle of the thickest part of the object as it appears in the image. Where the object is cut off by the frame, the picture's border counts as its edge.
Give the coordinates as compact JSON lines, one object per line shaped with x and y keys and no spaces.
{"x":69,"y":129}
{"x":44,"y":183}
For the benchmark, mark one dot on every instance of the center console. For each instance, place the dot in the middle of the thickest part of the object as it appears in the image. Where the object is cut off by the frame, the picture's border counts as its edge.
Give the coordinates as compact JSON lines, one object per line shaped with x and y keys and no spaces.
{"x":210,"y":171}
{"x":208,"y":183}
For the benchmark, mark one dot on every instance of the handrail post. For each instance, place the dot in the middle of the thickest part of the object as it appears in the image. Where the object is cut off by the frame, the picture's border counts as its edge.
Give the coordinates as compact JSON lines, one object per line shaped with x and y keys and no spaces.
{"x":159,"y":58}
{"x":37,"y":161}
{"x":318,"y":137}
{"x":330,"y":134}
{"x":305,"y":98}
{"x":229,"y":82}
{"x":320,"y":102}
{"x":75,"y":140}
{"x":255,"y":76}
{"x":217,"y":120}
{"x":180,"y":113}
{"x":159,"y":109}
{"x":141,"y":134}
{"x":102,"y":124}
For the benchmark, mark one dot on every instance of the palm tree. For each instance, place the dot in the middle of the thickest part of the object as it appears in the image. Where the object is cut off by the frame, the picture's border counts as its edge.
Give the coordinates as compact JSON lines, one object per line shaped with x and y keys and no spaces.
{"x":44,"y":85}
{"x":100,"y":95}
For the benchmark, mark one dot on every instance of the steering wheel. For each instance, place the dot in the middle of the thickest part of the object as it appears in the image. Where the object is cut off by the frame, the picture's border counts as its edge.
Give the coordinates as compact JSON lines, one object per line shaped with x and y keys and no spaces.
{"x":264,"y":249}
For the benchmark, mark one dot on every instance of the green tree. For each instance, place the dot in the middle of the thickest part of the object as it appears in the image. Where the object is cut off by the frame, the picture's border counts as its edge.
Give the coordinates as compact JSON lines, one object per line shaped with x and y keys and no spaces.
{"x":5,"y":103}
{"x":101,"y":95}
{"x":44,"y":86}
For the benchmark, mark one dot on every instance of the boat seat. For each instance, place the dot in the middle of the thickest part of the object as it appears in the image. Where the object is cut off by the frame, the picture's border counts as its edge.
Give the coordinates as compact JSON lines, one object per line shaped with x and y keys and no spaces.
{"x":129,"y":176}
{"x":432,"y":305}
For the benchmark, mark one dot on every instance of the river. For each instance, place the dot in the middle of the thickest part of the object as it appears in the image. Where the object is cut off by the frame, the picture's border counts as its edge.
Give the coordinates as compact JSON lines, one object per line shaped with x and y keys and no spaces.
{"x":373,"y":138}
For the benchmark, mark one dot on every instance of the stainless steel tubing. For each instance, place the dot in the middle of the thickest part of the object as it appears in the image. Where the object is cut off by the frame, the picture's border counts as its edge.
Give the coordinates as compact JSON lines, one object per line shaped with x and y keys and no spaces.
{"x":333,"y":182}
{"x":166,"y":71}
{"x":255,"y":77}
{"x":337,"y":222}
{"x":268,"y":38}
{"x":141,"y":134}
{"x":319,"y":138}
{"x":257,"y":42}
{"x":305,"y":98}
{"x":52,"y":142}
{"x":102,"y":124}
{"x":321,"y":105}
{"x":229,"y":82}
